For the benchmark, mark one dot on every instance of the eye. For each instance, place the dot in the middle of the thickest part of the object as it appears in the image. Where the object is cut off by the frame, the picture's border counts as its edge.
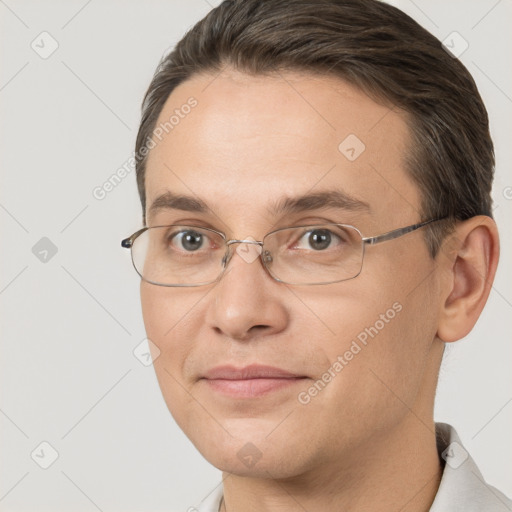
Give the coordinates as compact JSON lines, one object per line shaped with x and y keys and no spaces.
{"x":321,"y":239}
{"x":188,"y":240}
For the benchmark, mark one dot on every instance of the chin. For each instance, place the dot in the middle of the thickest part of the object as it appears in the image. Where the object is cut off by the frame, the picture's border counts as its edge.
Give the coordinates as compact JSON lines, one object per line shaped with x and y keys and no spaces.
{"x":250,"y":451}
{"x":270,"y":465}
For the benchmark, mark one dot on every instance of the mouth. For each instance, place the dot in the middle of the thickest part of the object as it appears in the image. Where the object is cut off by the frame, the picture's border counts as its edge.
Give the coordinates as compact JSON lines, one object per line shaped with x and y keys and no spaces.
{"x":250,"y":382}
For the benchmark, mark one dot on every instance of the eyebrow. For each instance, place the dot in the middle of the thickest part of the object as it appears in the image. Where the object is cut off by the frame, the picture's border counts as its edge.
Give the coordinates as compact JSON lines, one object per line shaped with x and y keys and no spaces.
{"x":284,"y":206}
{"x":316,"y":201}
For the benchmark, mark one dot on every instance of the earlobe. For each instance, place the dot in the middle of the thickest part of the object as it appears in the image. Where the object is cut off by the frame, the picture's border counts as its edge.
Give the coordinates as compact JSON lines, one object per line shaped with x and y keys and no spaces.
{"x":468,"y":276}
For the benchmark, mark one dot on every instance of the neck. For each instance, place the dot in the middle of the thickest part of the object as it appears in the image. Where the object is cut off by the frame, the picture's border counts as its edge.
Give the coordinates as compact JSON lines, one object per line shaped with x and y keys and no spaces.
{"x":397,"y":471}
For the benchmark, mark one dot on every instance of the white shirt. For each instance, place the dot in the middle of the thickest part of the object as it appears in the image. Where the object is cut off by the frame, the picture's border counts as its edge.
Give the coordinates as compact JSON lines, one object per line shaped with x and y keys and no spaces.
{"x":462,"y":487}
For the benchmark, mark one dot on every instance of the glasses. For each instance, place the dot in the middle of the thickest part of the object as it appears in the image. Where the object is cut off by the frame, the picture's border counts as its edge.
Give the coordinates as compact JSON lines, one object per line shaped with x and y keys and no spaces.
{"x":181,"y":255}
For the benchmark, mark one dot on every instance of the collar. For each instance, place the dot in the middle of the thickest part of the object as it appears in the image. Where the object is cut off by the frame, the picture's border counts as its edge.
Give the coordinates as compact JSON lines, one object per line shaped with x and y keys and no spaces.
{"x":462,"y":485}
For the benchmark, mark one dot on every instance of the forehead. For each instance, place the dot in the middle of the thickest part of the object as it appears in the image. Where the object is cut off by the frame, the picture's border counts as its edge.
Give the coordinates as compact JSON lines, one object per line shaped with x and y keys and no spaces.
{"x":249,"y":141}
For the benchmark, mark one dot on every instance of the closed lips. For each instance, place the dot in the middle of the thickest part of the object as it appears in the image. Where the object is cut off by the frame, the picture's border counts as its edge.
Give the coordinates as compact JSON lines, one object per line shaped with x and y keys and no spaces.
{"x":251,"y":382}
{"x":249,"y":372}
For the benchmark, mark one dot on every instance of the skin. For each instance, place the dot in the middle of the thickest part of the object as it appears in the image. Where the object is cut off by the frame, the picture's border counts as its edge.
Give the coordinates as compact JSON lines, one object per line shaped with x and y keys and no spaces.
{"x":366,"y":441}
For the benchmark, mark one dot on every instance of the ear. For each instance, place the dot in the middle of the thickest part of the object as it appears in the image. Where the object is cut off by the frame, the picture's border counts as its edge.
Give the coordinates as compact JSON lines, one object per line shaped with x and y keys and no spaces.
{"x":469,"y":267}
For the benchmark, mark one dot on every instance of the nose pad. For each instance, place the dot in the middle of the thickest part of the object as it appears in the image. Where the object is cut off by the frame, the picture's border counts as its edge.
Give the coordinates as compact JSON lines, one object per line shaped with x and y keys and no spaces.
{"x":267,"y":257}
{"x":226,"y":258}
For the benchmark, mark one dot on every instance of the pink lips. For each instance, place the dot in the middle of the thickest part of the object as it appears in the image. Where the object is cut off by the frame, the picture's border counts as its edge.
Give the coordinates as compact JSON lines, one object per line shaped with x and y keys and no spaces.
{"x":251,"y":381}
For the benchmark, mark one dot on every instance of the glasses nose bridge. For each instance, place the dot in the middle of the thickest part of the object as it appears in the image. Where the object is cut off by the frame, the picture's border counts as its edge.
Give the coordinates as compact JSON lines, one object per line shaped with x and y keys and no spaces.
{"x":255,"y":242}
{"x":229,"y":253}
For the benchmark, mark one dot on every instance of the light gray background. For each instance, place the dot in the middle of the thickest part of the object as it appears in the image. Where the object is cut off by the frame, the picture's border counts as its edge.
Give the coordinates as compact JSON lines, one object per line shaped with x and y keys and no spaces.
{"x":69,"y":325}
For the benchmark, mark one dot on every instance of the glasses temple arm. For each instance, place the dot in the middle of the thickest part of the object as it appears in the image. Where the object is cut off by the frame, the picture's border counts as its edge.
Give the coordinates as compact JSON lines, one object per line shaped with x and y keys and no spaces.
{"x":128,"y":242}
{"x":390,"y":235}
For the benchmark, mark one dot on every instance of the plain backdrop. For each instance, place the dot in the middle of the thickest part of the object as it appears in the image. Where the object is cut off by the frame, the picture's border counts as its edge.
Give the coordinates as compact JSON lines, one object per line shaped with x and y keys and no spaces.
{"x":69,"y":297}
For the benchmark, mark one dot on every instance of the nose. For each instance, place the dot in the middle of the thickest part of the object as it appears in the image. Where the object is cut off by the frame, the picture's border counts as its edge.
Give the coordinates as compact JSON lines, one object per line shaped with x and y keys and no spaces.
{"x":246,"y":303}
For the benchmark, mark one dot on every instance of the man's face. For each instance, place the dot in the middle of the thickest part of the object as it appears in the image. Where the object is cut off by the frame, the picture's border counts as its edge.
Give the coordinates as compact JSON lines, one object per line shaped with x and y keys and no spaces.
{"x":247,"y":144}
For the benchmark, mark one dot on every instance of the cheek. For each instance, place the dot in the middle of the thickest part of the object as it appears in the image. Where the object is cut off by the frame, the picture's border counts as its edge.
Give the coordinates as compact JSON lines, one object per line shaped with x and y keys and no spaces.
{"x":158,"y":311}
{"x":155,"y":311}
{"x":165,"y":311}
{"x":383,"y":330}
{"x":172,"y":320}
{"x":375,"y":368}
{"x":163,"y":314}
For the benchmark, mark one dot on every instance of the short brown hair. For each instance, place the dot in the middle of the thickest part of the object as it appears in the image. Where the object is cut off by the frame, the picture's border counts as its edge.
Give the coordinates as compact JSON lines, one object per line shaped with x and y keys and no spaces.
{"x":373,"y":46}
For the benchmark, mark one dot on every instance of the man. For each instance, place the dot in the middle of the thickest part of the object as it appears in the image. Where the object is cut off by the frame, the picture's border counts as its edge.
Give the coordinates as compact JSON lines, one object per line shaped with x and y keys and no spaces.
{"x":316,"y":179}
